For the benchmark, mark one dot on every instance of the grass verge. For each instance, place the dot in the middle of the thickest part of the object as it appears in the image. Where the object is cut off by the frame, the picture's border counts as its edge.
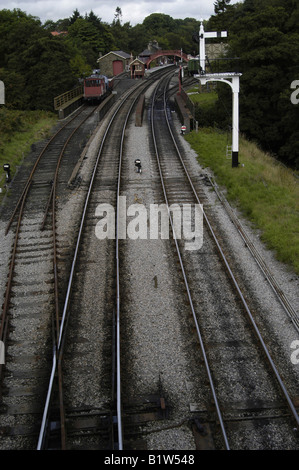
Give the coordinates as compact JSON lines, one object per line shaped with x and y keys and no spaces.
{"x":205,"y":100}
{"x":266,"y":192}
{"x":18,"y":131}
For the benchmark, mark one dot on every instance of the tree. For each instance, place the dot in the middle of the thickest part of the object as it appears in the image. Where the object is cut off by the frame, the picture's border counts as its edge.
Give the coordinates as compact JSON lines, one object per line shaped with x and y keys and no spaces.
{"x":76,"y":15}
{"x":17,"y":31}
{"x":118,"y":15}
{"x":35,"y":66}
{"x":48,"y":72}
{"x":138,"y":39}
{"x":185,"y":29}
{"x":79,"y":67}
{"x":265,"y":39}
{"x":16,"y":93}
{"x":85,"y":37}
{"x":94,"y":20}
{"x":121,"y":35}
{"x":158,"y":24}
{"x":220,"y":6}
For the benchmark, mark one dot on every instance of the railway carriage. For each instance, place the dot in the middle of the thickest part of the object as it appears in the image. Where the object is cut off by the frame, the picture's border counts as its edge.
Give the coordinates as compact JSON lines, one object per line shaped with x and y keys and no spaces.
{"x":193,"y":67}
{"x":96,"y":87}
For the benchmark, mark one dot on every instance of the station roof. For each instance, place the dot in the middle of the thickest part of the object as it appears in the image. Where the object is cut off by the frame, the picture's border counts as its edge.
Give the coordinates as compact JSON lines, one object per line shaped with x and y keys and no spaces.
{"x":122,"y":54}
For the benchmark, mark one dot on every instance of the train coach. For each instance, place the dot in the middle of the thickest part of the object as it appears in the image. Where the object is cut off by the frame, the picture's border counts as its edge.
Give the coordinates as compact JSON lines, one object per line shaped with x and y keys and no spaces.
{"x":96,"y":87}
{"x":193,"y":67}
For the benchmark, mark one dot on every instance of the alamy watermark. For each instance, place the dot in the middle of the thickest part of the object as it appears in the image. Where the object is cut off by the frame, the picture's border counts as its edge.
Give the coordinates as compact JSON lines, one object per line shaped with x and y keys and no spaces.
{"x":295,"y":353}
{"x":2,"y":93}
{"x":294,"y":95}
{"x":187,"y":222}
{"x":2,"y":353}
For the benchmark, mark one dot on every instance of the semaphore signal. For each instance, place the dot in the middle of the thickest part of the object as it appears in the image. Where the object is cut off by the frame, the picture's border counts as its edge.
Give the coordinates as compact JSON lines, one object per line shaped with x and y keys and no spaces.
{"x":232,"y":79}
{"x":202,"y":44}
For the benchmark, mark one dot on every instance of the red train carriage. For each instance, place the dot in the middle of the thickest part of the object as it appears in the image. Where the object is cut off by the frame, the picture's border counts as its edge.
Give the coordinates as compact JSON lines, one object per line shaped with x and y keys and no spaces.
{"x":95,"y":87}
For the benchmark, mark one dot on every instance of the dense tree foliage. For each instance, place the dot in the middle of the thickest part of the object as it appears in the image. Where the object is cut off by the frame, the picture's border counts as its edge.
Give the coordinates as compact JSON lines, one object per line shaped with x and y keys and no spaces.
{"x":36,"y":66}
{"x":264,"y":35}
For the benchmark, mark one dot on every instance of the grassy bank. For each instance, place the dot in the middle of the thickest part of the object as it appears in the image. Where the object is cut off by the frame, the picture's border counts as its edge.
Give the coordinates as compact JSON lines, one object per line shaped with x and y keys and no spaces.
{"x":18,"y":131}
{"x":205,"y":100}
{"x":267,"y":193}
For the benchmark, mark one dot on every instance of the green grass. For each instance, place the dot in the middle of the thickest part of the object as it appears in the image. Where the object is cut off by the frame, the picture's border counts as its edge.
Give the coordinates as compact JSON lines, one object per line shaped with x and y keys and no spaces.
{"x":204,"y":99}
{"x":18,"y":131}
{"x":266,"y":192}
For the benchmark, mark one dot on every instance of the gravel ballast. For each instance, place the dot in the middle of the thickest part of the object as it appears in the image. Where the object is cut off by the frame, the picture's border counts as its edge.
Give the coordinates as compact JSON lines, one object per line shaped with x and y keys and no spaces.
{"x":158,"y":358}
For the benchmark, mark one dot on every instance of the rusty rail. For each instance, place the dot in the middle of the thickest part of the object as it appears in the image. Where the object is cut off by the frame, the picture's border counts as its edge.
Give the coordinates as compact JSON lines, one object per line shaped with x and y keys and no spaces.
{"x":4,"y":319}
{"x":4,"y":324}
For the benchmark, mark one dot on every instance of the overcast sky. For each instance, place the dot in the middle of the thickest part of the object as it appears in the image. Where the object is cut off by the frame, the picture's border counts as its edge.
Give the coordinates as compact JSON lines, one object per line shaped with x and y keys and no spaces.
{"x":132,"y":11}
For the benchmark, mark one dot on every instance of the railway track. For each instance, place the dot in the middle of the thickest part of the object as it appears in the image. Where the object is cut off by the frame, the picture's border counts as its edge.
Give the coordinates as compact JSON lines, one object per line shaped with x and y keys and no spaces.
{"x":92,"y":421}
{"x":171,"y":163}
{"x":280,"y":294}
{"x":27,"y":321}
{"x":147,"y":345}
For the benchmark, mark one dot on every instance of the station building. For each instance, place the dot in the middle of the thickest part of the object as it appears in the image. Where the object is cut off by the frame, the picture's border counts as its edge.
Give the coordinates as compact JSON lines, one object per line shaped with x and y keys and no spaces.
{"x":114,"y":63}
{"x":137,"y":68}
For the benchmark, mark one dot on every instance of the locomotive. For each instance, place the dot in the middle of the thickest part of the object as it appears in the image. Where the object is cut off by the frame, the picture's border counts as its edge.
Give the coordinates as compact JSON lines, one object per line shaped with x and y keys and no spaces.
{"x":96,"y":87}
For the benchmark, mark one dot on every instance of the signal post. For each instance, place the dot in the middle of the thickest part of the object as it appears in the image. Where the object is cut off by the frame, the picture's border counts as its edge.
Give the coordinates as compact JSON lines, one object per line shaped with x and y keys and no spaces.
{"x":232,"y":79}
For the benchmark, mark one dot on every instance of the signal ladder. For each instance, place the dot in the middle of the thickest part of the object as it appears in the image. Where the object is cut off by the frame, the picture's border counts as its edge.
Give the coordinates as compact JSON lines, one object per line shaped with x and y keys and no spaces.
{"x":229,"y":151}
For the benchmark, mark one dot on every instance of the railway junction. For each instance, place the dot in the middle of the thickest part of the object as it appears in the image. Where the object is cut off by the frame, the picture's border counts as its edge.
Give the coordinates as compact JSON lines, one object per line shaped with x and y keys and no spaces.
{"x":131,"y":343}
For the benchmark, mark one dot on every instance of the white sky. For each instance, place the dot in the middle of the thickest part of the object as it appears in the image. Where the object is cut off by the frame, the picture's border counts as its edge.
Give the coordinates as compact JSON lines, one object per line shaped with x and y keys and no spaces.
{"x":132,"y":11}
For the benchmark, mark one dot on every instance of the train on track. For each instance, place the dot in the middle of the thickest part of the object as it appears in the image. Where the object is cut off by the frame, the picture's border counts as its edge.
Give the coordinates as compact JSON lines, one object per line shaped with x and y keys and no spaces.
{"x":96,"y":87}
{"x":193,"y":67}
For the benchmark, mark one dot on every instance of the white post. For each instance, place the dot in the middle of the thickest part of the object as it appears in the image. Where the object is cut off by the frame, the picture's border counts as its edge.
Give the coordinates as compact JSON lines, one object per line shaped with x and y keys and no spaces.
{"x":235,"y":139}
{"x":202,"y":49}
{"x":202,"y":44}
{"x":235,"y":86}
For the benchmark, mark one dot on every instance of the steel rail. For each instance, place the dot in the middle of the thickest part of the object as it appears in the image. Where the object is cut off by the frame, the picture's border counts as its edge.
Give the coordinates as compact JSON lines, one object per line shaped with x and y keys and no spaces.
{"x":290,"y":310}
{"x":29,"y":180}
{"x":119,"y":420}
{"x":264,"y":347}
{"x":221,"y":422}
{"x":58,"y":165}
{"x":57,"y":353}
{"x":4,"y":318}
{"x":21,"y":204}
{"x":56,"y":324}
{"x":118,"y":367}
